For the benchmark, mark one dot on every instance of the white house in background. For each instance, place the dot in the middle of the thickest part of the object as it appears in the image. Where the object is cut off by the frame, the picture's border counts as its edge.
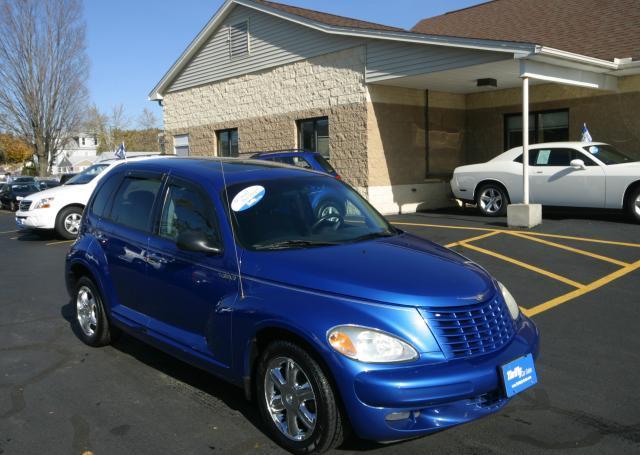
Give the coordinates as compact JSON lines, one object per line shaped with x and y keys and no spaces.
{"x":80,"y":152}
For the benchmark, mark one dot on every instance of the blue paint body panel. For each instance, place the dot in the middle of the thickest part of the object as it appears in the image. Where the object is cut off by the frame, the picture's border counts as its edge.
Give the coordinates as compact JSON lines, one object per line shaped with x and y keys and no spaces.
{"x":189,"y":304}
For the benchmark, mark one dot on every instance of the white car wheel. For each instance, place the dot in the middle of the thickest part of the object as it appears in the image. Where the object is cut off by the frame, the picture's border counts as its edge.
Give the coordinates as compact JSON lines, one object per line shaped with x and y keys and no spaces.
{"x":492,"y":200}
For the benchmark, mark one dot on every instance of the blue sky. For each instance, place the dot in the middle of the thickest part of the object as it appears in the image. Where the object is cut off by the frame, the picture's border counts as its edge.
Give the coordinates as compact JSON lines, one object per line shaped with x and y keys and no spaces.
{"x":132,"y":43}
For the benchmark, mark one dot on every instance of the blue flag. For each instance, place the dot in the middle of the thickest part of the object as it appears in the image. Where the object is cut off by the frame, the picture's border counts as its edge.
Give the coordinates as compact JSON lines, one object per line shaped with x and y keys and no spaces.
{"x":586,"y":136}
{"x":121,"y":153}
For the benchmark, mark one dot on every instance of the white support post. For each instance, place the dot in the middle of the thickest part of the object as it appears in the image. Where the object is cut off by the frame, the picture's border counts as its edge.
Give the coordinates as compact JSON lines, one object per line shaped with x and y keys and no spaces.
{"x":524,"y":215}
{"x":525,"y":139}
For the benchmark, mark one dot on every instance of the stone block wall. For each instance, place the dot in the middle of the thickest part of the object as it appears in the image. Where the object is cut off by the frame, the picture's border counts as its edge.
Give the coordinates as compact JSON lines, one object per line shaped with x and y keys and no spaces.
{"x":266,"y":105}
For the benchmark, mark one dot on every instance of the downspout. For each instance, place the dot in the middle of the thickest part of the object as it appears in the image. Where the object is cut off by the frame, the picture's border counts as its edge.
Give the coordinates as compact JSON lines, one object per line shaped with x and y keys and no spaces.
{"x":426,"y":133}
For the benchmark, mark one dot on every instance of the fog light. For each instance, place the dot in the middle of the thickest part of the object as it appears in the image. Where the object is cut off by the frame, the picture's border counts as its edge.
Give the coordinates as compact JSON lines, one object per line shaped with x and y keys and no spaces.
{"x":397,"y":416}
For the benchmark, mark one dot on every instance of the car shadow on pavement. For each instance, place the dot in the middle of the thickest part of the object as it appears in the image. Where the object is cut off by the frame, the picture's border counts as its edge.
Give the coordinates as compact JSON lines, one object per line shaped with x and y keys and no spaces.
{"x":470,"y":214}
{"x":232,"y":396}
{"x":36,"y":236}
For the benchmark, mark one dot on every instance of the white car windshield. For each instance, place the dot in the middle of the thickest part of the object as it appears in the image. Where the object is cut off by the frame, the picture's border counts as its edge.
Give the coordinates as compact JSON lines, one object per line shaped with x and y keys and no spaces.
{"x":87,"y":175}
{"x":608,"y":154}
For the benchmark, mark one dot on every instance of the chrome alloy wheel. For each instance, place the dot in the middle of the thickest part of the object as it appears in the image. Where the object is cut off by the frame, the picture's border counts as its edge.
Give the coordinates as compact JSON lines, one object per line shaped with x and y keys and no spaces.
{"x":636,"y":206}
{"x":72,"y":223}
{"x":290,"y":399}
{"x":491,"y":200}
{"x":87,"y":311}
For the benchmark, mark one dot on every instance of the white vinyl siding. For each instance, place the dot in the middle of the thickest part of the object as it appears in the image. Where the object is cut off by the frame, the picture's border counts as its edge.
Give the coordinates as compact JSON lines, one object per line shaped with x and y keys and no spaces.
{"x":272,"y":42}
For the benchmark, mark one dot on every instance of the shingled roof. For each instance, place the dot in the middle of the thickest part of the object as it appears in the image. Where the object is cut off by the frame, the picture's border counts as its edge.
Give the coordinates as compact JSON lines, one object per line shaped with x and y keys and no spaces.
{"x":598,"y":28}
{"x":326,"y":18}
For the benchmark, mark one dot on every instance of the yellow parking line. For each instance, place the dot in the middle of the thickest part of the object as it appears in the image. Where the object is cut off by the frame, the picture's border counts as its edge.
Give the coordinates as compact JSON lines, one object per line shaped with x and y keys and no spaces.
{"x":533,"y":268}
{"x":472,"y":239}
{"x":8,"y":232}
{"x":60,"y":242}
{"x":585,"y":290}
{"x":568,"y":248}
{"x":537,"y":234}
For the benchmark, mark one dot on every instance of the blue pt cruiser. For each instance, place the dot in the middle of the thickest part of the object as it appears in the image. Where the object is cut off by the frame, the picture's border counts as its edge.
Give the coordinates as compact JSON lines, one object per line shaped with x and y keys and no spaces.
{"x":328,"y":320}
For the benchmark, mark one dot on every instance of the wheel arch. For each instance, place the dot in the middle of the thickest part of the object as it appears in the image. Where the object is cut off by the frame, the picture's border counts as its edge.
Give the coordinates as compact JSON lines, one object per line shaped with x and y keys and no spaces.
{"x":627,"y":193}
{"x":267,"y":334}
{"x":73,"y":204}
{"x":483,"y":182}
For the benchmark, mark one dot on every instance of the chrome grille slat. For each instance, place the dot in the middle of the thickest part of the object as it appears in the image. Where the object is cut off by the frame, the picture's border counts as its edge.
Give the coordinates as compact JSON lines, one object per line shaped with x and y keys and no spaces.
{"x":471,"y":330}
{"x":24,"y":205}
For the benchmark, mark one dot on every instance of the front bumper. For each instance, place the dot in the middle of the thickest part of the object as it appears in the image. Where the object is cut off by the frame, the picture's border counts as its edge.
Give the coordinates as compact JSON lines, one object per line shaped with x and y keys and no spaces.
{"x":34,"y":220}
{"x":429,"y":397}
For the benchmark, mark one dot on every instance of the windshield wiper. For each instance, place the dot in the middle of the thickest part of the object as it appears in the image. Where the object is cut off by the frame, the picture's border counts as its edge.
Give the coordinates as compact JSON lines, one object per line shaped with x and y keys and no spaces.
{"x":293,"y":244}
{"x":374,"y":235}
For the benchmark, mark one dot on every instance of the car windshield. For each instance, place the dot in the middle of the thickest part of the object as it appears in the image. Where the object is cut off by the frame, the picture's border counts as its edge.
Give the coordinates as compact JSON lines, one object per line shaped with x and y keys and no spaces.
{"x":24,"y":188}
{"x":608,"y":154}
{"x":302,"y":212}
{"x":87,"y":175}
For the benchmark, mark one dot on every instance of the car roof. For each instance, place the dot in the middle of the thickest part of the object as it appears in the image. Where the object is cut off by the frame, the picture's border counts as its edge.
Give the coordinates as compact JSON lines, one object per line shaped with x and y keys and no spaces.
{"x":515,"y":151}
{"x":236,"y":170}
{"x":282,"y":153}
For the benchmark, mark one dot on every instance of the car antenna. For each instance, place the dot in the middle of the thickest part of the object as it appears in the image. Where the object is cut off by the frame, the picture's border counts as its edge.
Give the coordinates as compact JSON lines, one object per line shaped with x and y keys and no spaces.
{"x":233,"y":231}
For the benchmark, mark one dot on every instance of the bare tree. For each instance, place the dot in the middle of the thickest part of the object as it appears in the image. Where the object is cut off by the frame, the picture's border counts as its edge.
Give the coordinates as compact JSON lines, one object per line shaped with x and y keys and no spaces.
{"x":43,"y":72}
{"x":113,"y":127}
{"x":147,"y":120}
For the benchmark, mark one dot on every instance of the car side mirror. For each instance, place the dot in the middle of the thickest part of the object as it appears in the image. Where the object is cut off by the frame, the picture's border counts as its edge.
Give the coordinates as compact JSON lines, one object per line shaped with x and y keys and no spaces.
{"x":197,"y":242}
{"x":577,"y":164}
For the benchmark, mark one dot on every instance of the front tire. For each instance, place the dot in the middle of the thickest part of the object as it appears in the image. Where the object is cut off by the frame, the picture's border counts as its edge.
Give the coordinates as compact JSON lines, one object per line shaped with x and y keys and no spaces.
{"x":68,"y":223}
{"x":296,"y":400}
{"x":13,"y":206}
{"x":633,"y":204}
{"x":492,"y":200}
{"x":91,"y":318}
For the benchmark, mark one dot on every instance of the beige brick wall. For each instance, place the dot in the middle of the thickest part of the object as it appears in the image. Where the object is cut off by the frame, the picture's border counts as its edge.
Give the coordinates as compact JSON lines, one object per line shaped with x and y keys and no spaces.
{"x":612,"y":117}
{"x":396,"y":135}
{"x":264,"y":106}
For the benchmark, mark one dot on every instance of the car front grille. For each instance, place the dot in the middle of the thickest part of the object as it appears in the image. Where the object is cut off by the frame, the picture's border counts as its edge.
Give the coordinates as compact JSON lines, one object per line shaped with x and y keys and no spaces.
{"x":471,"y":330}
{"x":24,"y":205}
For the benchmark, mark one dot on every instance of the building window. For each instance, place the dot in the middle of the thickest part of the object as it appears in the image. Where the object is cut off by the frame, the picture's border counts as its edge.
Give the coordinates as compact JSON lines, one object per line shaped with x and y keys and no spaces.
{"x":547,"y":126}
{"x":239,"y":39}
{"x":313,"y":135}
{"x":181,"y":145}
{"x":227,"y":142}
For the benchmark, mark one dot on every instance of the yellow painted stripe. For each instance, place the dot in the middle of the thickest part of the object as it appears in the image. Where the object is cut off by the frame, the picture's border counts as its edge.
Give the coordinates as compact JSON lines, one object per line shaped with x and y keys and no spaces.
{"x":568,"y":248}
{"x":537,"y":234}
{"x":533,"y":268}
{"x":585,"y":290}
{"x":472,"y":239}
{"x":60,"y":242}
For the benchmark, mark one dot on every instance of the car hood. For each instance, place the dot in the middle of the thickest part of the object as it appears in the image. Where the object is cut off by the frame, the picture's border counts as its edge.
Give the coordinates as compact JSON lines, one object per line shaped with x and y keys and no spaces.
{"x":55,"y":192}
{"x":401,"y":270}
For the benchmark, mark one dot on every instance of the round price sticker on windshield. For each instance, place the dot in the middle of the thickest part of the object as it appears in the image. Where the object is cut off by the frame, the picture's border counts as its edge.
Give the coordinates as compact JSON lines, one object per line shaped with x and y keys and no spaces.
{"x":247,"y":198}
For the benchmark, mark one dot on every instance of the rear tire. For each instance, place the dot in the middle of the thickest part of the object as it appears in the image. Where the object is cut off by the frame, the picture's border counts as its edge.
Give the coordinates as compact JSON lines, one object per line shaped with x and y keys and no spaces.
{"x":633,"y":204}
{"x":91,"y":318}
{"x":305,"y":399}
{"x":68,"y":222}
{"x":492,"y":200}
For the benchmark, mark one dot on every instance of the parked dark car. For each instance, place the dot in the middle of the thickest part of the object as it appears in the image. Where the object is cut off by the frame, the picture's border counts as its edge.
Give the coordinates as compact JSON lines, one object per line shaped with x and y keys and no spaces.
{"x":12,"y":193}
{"x":24,"y":179}
{"x":299,"y":158}
{"x":46,"y":184}
{"x":327,"y":322}
{"x":64,"y":178}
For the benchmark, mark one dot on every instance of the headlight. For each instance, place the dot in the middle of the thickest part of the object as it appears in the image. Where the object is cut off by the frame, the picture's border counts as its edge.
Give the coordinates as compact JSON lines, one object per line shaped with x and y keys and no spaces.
{"x":43,"y":203}
{"x":514,"y":310}
{"x":369,"y":345}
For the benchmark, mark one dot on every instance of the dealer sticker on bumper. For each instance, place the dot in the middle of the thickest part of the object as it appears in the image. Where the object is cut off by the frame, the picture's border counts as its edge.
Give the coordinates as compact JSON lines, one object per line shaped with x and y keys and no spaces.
{"x":518,"y":375}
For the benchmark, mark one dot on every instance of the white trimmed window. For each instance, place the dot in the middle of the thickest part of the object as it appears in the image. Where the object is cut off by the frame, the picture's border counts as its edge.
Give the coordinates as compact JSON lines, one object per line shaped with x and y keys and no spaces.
{"x":181,"y":145}
{"x":239,"y":39}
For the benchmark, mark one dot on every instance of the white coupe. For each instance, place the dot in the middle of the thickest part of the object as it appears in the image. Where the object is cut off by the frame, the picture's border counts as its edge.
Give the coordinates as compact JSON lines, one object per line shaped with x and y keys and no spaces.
{"x":573,"y":174}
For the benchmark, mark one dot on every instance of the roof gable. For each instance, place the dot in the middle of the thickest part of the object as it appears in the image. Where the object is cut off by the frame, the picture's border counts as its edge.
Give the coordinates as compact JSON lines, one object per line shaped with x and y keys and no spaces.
{"x":597,"y":28}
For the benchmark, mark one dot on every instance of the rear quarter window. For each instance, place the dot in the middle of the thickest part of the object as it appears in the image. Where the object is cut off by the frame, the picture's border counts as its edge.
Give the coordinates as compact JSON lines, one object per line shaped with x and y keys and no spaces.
{"x":133,"y":202}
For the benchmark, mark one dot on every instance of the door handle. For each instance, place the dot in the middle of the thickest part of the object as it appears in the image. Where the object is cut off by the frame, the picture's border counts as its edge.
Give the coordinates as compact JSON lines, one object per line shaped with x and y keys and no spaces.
{"x":155,"y":260}
{"x":538,"y":172}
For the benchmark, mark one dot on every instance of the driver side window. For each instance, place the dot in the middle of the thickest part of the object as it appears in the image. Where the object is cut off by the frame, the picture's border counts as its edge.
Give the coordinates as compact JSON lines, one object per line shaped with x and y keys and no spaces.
{"x":187,"y":211}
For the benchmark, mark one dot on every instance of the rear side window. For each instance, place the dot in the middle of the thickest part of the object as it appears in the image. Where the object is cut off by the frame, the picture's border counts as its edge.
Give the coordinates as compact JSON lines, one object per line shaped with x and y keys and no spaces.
{"x":104,"y":195}
{"x":325,"y":164}
{"x":293,"y":161}
{"x":133,"y":202}
{"x":187,"y":210}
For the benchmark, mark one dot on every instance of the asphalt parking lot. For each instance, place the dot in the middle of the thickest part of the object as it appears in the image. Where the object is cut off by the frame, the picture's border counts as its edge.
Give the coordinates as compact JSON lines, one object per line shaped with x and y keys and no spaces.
{"x":578,"y":276}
